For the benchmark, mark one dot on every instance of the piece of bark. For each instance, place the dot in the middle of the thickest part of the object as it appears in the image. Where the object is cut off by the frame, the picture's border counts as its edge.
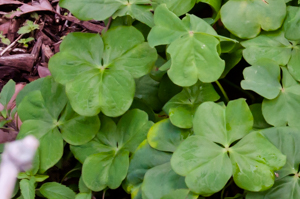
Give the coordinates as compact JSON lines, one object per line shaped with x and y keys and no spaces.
{"x":37,"y":47}
{"x":5,"y":2}
{"x":15,"y":50}
{"x":43,"y":71}
{"x":47,"y":52}
{"x":13,"y":29}
{"x":4,"y":27}
{"x":20,"y":61}
{"x":7,"y":136}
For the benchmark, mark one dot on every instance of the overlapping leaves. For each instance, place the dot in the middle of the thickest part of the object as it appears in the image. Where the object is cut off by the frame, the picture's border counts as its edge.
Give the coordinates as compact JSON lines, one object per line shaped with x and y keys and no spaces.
{"x":287,"y":185}
{"x":155,"y":172}
{"x":281,"y":104}
{"x":193,"y":47}
{"x":110,"y":148}
{"x":47,"y":115}
{"x":103,"y":9}
{"x":181,"y":107}
{"x":98,"y":74}
{"x":206,"y":164}
{"x":274,"y":46}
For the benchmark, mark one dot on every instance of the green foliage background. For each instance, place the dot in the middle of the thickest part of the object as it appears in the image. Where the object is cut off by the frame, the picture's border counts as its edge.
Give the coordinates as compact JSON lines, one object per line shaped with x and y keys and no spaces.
{"x":142,"y":106}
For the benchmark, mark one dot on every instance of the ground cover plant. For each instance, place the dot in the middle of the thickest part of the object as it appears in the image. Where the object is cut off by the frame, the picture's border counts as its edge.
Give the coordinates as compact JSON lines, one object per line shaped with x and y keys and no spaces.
{"x":156,"y":99}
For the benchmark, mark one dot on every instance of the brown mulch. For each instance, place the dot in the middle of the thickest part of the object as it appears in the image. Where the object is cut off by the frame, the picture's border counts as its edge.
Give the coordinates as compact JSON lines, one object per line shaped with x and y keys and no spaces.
{"x":28,"y":64}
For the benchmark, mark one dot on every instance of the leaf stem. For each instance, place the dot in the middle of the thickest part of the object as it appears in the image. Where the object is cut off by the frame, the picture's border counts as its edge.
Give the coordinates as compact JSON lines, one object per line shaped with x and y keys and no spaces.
{"x":103,"y":195}
{"x":226,"y":186}
{"x":223,"y":91}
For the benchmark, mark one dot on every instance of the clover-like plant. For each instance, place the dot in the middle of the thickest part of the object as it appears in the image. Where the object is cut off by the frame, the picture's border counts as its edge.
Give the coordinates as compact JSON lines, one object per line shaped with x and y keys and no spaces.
{"x":148,"y":174}
{"x":223,"y":146}
{"x":194,"y":47}
{"x":106,"y":158}
{"x":287,"y":184}
{"x":246,"y":18}
{"x":48,"y":116}
{"x":280,"y":106}
{"x":99,"y":73}
{"x":274,"y":46}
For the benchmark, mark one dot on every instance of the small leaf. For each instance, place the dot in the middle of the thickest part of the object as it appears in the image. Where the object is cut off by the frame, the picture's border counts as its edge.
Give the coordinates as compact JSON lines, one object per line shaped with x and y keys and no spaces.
{"x":53,"y":190}
{"x":206,"y":165}
{"x":27,"y":188}
{"x":7,"y":92}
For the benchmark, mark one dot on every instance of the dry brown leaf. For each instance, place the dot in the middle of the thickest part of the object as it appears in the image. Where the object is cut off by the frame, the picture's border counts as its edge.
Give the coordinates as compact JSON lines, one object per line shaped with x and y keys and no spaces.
{"x":7,"y":136}
{"x":25,"y":8}
{"x":43,"y":71}
{"x":5,"y":2}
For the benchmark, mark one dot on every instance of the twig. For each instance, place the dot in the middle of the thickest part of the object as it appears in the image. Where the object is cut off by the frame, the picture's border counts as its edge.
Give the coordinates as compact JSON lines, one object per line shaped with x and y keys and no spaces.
{"x":17,"y":156}
{"x":10,"y":45}
{"x":57,"y":18}
{"x":108,"y":24}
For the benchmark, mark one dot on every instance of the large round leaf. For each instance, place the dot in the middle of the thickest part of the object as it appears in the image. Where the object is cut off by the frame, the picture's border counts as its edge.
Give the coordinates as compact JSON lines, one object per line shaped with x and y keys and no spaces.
{"x":139,"y":165}
{"x":45,"y":114}
{"x":99,"y":76}
{"x":254,"y":160}
{"x":287,"y":183}
{"x":193,"y":47}
{"x":245,"y":18}
{"x":181,"y":108}
{"x":263,"y":78}
{"x":207,"y":165}
{"x":195,"y":57}
{"x":111,"y":148}
{"x":103,"y":9}
{"x":285,"y":108}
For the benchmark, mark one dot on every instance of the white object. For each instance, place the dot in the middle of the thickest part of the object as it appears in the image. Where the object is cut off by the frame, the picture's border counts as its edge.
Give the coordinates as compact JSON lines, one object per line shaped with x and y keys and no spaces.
{"x":17,"y":156}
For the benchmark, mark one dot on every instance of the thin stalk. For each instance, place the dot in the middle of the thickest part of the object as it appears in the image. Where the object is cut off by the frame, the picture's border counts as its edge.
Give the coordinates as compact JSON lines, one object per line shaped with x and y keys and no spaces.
{"x":223,"y":191}
{"x":223,"y":92}
{"x":103,"y":195}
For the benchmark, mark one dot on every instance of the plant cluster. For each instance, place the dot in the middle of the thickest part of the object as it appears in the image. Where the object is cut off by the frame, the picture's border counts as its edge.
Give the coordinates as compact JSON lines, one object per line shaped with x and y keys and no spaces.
{"x":141,"y":107}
